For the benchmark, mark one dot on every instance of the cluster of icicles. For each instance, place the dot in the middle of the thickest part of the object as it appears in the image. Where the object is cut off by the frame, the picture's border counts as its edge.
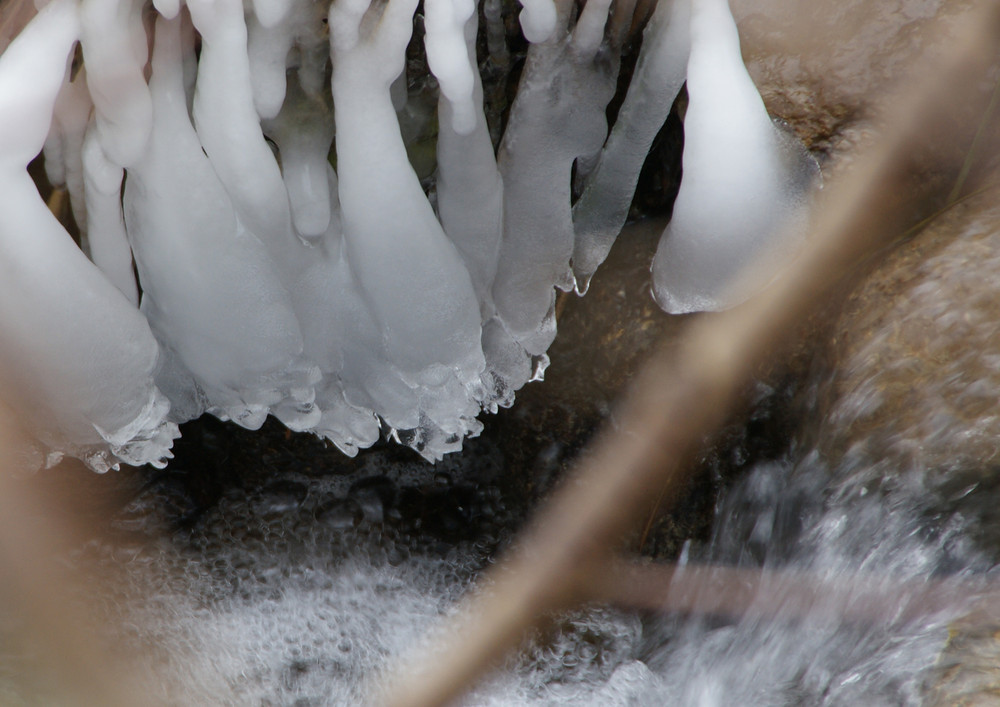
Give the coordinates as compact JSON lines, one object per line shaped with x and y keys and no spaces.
{"x":195,"y":138}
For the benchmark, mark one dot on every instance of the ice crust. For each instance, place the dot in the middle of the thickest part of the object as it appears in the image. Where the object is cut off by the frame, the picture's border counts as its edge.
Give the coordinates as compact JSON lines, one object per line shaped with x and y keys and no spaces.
{"x":290,"y":260}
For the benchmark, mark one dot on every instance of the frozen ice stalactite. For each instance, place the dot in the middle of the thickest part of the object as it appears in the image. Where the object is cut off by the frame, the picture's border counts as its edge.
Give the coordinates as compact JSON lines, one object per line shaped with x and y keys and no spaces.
{"x":114,"y":45}
{"x":210,"y":289}
{"x":410,"y":274}
{"x":77,"y":357}
{"x":745,"y":184}
{"x":361,"y":302}
{"x":303,"y":132}
{"x":557,"y":117}
{"x":64,"y":144}
{"x":108,"y":242}
{"x":228,"y":125}
{"x":601,"y":211}
{"x":469,"y":186}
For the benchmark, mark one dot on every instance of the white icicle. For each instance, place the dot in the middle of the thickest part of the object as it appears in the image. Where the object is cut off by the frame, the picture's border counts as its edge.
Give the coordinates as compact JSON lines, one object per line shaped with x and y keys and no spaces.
{"x":114,"y":48}
{"x":228,"y":125}
{"x":64,"y":145}
{"x":448,"y":58}
{"x":412,"y":275}
{"x":469,"y":187}
{"x":267,"y":50}
{"x":271,"y":12}
{"x":558,"y":116}
{"x":109,"y":248}
{"x":76,"y":359}
{"x":538,"y":19}
{"x":210,"y":289}
{"x":744,"y":182}
{"x":303,"y":131}
{"x":600,"y":212}
{"x":167,"y":8}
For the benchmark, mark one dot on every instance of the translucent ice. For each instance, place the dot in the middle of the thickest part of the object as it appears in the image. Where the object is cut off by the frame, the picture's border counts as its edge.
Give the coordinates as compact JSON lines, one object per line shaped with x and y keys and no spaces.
{"x":115,"y":48}
{"x":366,"y":301}
{"x":210,"y":289}
{"x":64,"y":144}
{"x":469,"y":187}
{"x":557,"y":116}
{"x":297,"y":40}
{"x":109,"y":248}
{"x":600,"y":213}
{"x":77,"y":357}
{"x":448,"y":57}
{"x":228,"y":125}
{"x":303,"y":131}
{"x":410,"y":273}
{"x":744,"y":182}
{"x":538,"y":19}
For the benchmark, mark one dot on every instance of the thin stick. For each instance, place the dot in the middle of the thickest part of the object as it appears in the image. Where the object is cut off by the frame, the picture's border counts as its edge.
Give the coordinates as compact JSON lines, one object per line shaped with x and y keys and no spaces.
{"x":679,"y":399}
{"x":785,"y":594}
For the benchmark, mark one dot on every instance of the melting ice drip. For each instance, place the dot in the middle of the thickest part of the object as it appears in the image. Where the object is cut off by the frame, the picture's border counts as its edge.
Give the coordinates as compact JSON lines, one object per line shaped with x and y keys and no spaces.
{"x":343,"y":303}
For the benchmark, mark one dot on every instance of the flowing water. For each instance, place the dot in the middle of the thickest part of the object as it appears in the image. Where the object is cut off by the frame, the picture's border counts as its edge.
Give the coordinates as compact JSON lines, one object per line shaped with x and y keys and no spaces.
{"x":299,"y":592}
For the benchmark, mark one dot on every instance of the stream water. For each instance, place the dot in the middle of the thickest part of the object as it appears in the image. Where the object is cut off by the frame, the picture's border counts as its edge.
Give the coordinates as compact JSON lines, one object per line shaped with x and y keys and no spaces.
{"x":301,"y":591}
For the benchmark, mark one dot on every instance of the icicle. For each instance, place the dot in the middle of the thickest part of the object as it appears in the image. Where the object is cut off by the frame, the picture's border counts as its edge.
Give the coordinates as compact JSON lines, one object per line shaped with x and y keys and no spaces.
{"x":600,"y":213}
{"x":558,"y":115}
{"x":76,"y":359}
{"x":449,"y":59}
{"x":267,"y":50}
{"x":167,"y":8}
{"x":228,"y":125}
{"x":743,"y":182}
{"x":64,"y":146}
{"x":271,"y":12}
{"x":470,"y":199}
{"x":303,"y":131}
{"x":109,"y":248}
{"x":538,"y":19}
{"x":210,"y":289}
{"x":469,"y":188}
{"x":114,"y":48}
{"x":411,"y":274}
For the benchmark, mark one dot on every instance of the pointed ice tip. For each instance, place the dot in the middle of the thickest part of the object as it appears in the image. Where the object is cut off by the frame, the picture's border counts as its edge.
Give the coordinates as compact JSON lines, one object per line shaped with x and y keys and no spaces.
{"x":673,"y":303}
{"x":581,"y":282}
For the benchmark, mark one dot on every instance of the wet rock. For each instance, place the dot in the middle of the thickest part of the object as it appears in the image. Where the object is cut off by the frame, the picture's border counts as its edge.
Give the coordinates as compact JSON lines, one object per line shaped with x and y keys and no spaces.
{"x":820,"y":66}
{"x":916,"y":353}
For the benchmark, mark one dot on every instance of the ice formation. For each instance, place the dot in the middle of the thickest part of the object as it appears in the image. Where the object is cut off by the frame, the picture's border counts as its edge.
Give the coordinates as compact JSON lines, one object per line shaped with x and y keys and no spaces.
{"x":744,"y":180}
{"x":77,"y":357}
{"x":252,"y":159}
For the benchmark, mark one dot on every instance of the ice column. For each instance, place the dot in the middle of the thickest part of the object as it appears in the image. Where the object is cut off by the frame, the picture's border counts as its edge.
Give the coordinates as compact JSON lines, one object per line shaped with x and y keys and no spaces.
{"x":210,"y":288}
{"x":114,"y":46}
{"x":603,"y":206}
{"x":77,"y":357}
{"x":410,"y":273}
{"x":64,"y":145}
{"x":557,"y":117}
{"x":744,"y":182}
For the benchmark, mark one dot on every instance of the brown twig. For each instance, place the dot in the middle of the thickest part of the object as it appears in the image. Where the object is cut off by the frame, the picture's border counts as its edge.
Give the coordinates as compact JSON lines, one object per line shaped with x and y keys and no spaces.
{"x":680,"y":398}
{"x":786,"y":594}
